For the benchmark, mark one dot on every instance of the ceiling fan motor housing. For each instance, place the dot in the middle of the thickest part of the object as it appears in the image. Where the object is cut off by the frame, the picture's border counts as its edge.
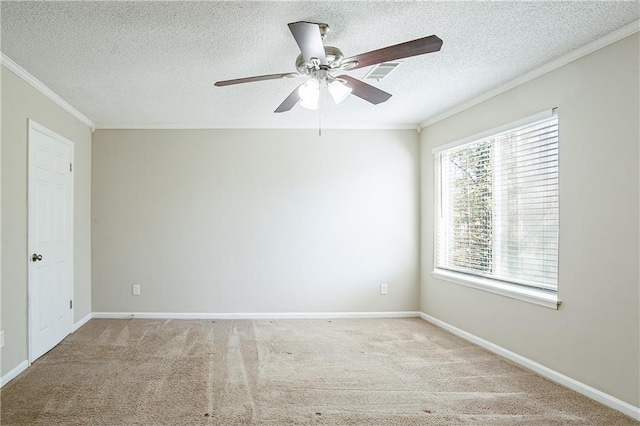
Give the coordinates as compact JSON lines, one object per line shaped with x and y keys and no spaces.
{"x":333,"y":54}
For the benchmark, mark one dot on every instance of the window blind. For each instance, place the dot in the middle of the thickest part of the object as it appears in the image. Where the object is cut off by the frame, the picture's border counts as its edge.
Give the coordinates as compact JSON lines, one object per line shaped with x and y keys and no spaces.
{"x":497,"y":206}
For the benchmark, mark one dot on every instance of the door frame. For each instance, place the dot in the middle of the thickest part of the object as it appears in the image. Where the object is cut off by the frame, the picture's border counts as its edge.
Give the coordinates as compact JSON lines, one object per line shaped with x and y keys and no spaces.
{"x":33,"y":126}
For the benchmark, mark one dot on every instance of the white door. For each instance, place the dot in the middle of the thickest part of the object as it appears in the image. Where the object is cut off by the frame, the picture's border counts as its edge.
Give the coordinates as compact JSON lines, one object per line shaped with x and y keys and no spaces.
{"x":50,"y":239}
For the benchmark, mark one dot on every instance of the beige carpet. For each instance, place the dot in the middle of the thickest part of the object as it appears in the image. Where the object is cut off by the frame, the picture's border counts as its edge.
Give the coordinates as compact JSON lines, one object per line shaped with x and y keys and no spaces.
{"x":284,"y":372}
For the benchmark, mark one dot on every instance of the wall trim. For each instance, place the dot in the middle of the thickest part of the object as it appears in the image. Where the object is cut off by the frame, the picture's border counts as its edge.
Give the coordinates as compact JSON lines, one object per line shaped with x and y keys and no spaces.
{"x":42,"y":88}
{"x":586,"y":390}
{"x":588,"y":48}
{"x":82,"y":322}
{"x":255,"y":315}
{"x":205,"y":126}
{"x":15,"y":371}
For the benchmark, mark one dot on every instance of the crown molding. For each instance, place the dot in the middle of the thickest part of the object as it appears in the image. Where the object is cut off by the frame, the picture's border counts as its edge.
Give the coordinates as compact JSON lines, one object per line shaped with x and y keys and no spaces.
{"x":9,"y":64}
{"x":588,"y":48}
{"x":205,"y":126}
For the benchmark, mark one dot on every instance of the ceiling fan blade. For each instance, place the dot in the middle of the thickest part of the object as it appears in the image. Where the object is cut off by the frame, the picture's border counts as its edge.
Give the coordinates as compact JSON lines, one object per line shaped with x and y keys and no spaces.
{"x":291,"y":101}
{"x":365,"y":91}
{"x":397,"y":51}
{"x":256,"y":78}
{"x":309,"y":39}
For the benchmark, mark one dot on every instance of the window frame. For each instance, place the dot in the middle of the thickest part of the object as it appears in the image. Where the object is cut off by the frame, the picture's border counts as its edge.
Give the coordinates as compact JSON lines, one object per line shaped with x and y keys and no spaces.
{"x":536,"y":295}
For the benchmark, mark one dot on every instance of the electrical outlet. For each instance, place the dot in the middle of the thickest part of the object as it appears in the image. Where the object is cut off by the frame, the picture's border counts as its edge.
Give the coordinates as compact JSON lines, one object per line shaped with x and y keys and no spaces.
{"x":1,"y":338}
{"x":136,"y":289}
{"x":383,"y":289}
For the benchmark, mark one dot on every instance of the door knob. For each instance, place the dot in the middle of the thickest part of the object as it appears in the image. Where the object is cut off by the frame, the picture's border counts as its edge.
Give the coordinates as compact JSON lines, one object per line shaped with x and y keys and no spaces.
{"x":36,"y":257}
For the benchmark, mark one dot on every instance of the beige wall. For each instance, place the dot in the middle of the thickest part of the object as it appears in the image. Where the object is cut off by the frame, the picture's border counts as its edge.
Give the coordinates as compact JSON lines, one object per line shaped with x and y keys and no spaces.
{"x":20,"y":101}
{"x":213,"y":221}
{"x":594,"y":336}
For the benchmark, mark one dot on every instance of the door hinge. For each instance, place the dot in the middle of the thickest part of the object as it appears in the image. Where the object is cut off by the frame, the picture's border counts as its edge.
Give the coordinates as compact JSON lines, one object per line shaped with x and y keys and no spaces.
{"x":70,"y":167}
{"x":70,"y":304}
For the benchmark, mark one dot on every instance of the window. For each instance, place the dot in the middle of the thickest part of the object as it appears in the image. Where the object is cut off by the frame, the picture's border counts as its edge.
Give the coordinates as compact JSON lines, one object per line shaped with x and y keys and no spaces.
{"x":496,"y":209}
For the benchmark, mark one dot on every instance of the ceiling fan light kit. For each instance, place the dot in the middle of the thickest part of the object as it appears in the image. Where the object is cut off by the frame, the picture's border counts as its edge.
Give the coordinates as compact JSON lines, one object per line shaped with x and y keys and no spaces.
{"x":318,"y":61}
{"x":309,"y":92}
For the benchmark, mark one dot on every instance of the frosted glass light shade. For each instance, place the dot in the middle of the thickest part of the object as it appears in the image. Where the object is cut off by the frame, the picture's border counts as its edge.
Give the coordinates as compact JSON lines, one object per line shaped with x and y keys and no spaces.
{"x":339,"y":91}
{"x":309,"y":94}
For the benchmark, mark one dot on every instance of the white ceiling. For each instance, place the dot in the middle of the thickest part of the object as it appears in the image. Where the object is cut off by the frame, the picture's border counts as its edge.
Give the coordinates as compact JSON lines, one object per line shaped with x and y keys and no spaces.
{"x":154,"y":63}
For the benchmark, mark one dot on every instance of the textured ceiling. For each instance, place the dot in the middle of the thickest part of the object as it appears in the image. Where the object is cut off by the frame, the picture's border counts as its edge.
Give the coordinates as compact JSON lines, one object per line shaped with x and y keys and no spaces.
{"x":154,"y":63}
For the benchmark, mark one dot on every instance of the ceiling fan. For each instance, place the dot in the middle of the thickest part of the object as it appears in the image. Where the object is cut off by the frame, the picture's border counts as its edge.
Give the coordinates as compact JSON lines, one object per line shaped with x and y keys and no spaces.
{"x":320,"y":62}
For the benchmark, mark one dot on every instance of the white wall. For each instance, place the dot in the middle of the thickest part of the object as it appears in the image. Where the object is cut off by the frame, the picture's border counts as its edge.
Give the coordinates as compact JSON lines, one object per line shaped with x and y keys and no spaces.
{"x":213,"y":221}
{"x":20,"y":101}
{"x":594,"y":336}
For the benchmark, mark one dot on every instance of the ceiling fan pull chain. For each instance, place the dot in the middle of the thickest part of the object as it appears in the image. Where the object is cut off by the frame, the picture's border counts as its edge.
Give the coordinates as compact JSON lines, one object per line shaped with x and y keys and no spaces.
{"x":321,"y":104}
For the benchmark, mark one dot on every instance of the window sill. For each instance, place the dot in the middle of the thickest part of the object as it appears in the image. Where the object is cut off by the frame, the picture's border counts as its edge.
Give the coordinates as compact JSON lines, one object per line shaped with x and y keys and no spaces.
{"x":531,"y":295}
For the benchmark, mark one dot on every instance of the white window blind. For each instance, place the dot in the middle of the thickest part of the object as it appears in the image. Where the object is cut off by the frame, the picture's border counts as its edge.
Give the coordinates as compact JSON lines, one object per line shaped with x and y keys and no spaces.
{"x":497,"y":206}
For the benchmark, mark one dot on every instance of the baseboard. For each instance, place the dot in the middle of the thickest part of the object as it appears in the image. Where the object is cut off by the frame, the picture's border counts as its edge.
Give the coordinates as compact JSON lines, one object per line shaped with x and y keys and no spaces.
{"x":82,"y":322}
{"x":550,"y":374}
{"x":25,"y":364}
{"x":14,"y":372}
{"x":257,"y":315}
